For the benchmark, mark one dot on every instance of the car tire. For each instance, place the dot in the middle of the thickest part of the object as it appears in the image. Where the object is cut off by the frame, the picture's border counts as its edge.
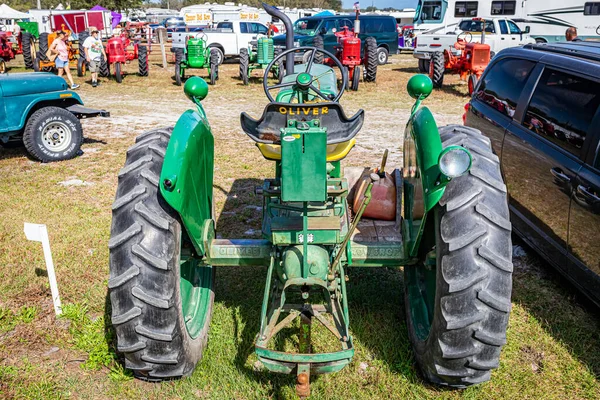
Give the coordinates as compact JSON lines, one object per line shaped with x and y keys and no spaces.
{"x":465,"y":294}
{"x":382,"y":55}
{"x":53,"y":134}
{"x":220,"y":54}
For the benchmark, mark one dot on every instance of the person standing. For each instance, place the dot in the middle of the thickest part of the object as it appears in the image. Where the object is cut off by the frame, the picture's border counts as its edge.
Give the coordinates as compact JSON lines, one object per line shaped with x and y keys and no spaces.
{"x":571,"y":35}
{"x":94,"y":51}
{"x":59,"y":46}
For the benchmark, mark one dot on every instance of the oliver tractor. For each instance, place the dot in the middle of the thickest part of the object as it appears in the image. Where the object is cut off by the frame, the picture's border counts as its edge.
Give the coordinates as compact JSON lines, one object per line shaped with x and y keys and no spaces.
{"x":258,"y":55}
{"x":119,"y":52}
{"x":446,"y":222}
{"x":195,"y":54}
{"x":470,"y":64}
{"x":348,"y":52}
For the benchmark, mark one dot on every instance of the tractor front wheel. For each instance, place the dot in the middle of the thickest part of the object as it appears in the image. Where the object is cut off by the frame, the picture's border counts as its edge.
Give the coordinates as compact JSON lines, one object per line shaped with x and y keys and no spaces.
{"x":81,"y":66}
{"x":214,"y":65}
{"x":280,"y":69}
{"x":118,"y":74}
{"x":2,"y":66}
{"x":436,"y":69}
{"x":104,"y":70}
{"x":178,"y":70}
{"x":143,"y":68}
{"x":370,"y":61}
{"x":458,"y":300}
{"x":36,"y":64}
{"x":161,"y":298}
{"x":244,"y":65}
{"x":472,"y":83}
{"x":355,"y":78}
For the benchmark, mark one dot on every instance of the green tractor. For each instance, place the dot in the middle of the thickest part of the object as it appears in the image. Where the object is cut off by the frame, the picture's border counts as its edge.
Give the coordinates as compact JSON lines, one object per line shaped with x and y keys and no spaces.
{"x":259,"y":55}
{"x":194,"y":54}
{"x":451,"y":232}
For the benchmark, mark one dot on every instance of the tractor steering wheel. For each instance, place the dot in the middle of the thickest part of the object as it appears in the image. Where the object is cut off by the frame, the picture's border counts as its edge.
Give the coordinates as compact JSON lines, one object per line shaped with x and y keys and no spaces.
{"x":305,"y":80}
{"x":201,"y":36}
{"x":466,"y":34}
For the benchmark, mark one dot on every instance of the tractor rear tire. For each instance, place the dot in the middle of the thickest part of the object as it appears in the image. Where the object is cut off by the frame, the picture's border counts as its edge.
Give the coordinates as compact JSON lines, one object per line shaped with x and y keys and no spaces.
{"x":27,"y":42}
{"x":244,"y":65}
{"x":178,"y":59}
{"x":437,"y":69}
{"x":319,"y":44}
{"x":146,"y":276}
{"x":104,"y":70}
{"x":472,"y":83}
{"x":355,"y":78}
{"x":81,"y":66}
{"x":370,"y":61}
{"x":81,"y":38}
{"x":143,"y":61}
{"x":118,"y":72}
{"x":214,"y":65}
{"x":53,"y":134}
{"x":457,"y":310}
{"x":43,"y":46}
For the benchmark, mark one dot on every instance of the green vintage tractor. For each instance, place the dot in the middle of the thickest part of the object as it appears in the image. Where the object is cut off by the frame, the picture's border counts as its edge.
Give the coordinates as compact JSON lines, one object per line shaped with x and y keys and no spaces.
{"x":258,"y":55}
{"x":195,"y":54}
{"x":450,"y":230}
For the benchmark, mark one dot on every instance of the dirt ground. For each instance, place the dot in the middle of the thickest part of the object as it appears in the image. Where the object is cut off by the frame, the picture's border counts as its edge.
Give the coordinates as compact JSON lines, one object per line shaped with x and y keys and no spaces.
{"x":553,"y":337}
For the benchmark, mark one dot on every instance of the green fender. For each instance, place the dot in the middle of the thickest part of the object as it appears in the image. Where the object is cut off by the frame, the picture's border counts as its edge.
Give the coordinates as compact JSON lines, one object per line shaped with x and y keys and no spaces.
{"x":186,"y":179}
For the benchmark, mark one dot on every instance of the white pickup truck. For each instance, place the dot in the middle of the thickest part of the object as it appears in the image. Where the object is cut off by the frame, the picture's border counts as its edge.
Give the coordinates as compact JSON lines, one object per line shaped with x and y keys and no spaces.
{"x":500,"y":33}
{"x":228,"y":37}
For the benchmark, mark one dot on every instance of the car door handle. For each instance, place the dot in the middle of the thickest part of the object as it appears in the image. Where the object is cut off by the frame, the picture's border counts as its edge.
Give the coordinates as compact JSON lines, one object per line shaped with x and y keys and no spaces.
{"x":585,"y":193}
{"x":558,"y":174}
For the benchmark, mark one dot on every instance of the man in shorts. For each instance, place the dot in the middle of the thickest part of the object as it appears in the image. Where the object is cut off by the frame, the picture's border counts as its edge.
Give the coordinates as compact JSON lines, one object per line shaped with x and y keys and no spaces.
{"x":94,"y":51}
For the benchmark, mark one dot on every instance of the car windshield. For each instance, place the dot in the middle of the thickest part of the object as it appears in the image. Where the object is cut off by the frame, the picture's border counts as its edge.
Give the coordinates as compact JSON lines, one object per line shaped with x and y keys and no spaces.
{"x":475,"y":26}
{"x":306,"y":26}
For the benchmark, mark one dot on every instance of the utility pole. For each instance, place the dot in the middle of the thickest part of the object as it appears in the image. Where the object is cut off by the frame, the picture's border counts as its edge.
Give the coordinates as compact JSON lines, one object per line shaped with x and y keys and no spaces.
{"x":39,"y":4}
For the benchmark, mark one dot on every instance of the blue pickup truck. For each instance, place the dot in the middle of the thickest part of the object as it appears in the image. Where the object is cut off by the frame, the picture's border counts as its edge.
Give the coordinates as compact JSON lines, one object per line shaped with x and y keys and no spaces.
{"x":38,"y":110}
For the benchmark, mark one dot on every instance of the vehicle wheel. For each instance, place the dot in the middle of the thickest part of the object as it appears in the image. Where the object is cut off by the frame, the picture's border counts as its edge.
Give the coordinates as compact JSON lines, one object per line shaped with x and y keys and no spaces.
{"x":143,"y":68}
{"x":214,"y":64}
{"x":422,"y":66}
{"x":371,"y":60}
{"x":280,"y":73}
{"x":27,"y":43}
{"x":104,"y":71}
{"x":36,"y":64}
{"x":472,"y":83}
{"x":80,"y":39}
{"x":457,"y":307}
{"x":43,"y":46}
{"x":220,"y":55}
{"x":178,"y":70}
{"x":347,"y":71}
{"x":53,"y":134}
{"x":244,"y":63}
{"x":118,"y":74}
{"x":436,"y":69}
{"x":540,"y":40}
{"x":382,"y":55}
{"x":319,"y":44}
{"x":161,"y":329}
{"x":81,"y":66}
{"x":492,"y":55}
{"x":2,"y":66}
{"x":355,"y":78}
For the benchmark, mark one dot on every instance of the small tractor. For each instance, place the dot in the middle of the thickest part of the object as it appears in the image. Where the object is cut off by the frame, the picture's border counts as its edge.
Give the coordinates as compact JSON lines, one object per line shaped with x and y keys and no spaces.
{"x":443,"y":216}
{"x":196,"y":54}
{"x":469,"y":64}
{"x":120,"y":50}
{"x":41,"y":61}
{"x":258,"y":55}
{"x":6,"y":51}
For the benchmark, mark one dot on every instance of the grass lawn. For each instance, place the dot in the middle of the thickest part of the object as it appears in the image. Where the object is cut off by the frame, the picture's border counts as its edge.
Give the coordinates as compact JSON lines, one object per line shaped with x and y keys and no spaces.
{"x":553,"y":338}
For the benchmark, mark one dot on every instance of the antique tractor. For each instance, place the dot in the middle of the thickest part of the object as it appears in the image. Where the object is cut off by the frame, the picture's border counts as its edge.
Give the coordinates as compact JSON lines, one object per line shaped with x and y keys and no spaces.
{"x":258,"y":55}
{"x":6,"y":51}
{"x":348,"y":52}
{"x":41,"y":62}
{"x":196,"y":54}
{"x":469,"y":64}
{"x":120,"y":50}
{"x":447,"y":225}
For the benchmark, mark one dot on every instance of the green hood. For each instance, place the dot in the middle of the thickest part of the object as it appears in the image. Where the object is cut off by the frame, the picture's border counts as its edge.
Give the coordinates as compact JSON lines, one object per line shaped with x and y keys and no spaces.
{"x":30,"y":83}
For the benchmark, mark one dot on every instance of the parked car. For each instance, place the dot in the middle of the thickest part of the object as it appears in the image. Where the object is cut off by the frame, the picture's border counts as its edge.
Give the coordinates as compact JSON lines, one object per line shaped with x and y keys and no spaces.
{"x":540,"y":107}
{"x":228,"y":37}
{"x":381,"y":27}
{"x":37,"y":109}
{"x":500,"y":33}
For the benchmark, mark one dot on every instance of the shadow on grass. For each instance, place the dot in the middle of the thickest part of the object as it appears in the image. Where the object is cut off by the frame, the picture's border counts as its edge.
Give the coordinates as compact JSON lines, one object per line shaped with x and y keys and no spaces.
{"x":454,"y":89}
{"x":565,"y":313}
{"x":408,"y":70}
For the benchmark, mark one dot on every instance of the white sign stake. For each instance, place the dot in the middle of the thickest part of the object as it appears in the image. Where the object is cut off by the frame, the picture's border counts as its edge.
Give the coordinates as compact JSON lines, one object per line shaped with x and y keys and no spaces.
{"x":39,"y":233}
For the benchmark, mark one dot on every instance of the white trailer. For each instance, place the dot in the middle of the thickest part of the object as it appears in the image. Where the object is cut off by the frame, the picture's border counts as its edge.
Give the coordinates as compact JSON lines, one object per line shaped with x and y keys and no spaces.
{"x":547,"y":19}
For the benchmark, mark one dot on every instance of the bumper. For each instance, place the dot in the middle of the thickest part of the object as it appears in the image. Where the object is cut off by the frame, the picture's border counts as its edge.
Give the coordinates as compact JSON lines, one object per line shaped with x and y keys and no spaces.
{"x":422,"y":55}
{"x":82,"y":112}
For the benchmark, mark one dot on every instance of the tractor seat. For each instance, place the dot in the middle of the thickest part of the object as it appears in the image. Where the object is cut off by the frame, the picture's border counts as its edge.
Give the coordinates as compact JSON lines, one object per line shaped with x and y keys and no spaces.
{"x":266,"y":130}
{"x":335,"y":152}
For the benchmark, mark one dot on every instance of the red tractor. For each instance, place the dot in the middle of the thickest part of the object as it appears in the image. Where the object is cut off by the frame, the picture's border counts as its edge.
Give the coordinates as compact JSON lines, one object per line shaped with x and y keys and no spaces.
{"x":119,"y":52}
{"x":6,"y":51}
{"x":470,"y":63}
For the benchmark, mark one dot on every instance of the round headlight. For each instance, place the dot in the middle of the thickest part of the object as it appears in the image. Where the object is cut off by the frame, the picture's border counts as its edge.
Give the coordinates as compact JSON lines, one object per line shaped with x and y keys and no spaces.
{"x":455,"y":161}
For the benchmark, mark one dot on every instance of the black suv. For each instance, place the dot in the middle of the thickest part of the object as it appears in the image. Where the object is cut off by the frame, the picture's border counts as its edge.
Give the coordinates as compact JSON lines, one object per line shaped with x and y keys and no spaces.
{"x":540,"y":106}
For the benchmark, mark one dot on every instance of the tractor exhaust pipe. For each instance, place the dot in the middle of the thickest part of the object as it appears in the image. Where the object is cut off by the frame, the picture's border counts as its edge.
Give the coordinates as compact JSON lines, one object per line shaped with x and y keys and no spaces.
{"x":289,"y":35}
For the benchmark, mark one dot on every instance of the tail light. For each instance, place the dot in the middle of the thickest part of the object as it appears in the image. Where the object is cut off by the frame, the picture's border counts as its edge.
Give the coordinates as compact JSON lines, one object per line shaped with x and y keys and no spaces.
{"x":464,"y":117}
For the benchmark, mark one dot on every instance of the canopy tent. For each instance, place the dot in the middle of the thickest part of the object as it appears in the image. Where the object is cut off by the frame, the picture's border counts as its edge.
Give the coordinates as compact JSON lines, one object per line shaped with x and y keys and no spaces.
{"x":324,"y":14}
{"x":8,"y":13}
{"x":116,"y":17}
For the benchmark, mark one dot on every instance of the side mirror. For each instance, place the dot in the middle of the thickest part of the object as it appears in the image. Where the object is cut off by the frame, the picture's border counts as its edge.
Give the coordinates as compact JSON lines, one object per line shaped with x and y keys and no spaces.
{"x":527,"y":29}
